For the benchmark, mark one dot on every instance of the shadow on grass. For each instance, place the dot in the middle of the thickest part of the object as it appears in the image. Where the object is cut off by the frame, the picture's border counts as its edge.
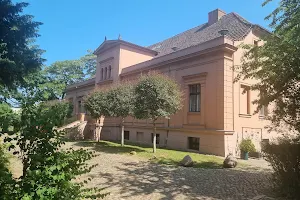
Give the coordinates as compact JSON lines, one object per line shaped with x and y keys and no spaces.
{"x":146,"y":150}
{"x":205,"y":165}
{"x":108,"y":147}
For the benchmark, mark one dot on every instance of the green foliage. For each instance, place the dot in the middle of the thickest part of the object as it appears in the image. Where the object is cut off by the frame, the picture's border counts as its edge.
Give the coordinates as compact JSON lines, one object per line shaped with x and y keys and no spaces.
{"x":156,"y":96}
{"x":53,"y":80}
{"x":7,"y":117}
{"x":89,"y":62}
{"x":63,"y":73}
{"x":97,"y":104}
{"x":120,"y":100}
{"x":247,"y":146}
{"x":3,"y":157}
{"x":284,"y":157}
{"x":6,"y":180}
{"x":37,"y":88}
{"x":277,"y":65}
{"x":18,"y":55}
{"x":48,"y":171}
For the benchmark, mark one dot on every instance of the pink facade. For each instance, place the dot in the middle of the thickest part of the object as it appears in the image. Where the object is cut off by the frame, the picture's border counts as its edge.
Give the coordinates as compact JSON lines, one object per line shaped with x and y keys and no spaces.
{"x":216,"y":113}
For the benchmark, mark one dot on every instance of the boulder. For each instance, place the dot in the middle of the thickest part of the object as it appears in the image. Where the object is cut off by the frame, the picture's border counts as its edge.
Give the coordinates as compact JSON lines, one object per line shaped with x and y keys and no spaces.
{"x":230,"y":161}
{"x":133,"y":152}
{"x":187,"y":161}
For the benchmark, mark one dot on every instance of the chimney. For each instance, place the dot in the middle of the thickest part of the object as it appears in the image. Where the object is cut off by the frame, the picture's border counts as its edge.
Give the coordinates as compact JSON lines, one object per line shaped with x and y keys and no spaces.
{"x":214,"y":16}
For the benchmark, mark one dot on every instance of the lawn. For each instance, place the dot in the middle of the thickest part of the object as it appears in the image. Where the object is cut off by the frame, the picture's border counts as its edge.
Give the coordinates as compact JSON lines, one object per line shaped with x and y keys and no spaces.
{"x":162,"y":156}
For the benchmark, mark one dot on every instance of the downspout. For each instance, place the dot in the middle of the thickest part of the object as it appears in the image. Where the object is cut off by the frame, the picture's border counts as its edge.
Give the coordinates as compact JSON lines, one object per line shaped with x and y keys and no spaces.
{"x":233,"y":90}
{"x":169,"y":118}
{"x":233,"y":116}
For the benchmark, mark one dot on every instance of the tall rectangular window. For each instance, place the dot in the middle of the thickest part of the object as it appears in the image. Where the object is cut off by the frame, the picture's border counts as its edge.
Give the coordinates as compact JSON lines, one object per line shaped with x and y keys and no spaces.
{"x":126,"y":135}
{"x":245,"y":100}
{"x":263,"y":111}
{"x":193,"y":143}
{"x":194,"y":98}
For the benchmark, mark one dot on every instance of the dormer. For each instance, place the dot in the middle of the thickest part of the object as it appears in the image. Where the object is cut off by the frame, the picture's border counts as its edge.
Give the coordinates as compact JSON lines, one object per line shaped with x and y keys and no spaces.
{"x":114,"y":55}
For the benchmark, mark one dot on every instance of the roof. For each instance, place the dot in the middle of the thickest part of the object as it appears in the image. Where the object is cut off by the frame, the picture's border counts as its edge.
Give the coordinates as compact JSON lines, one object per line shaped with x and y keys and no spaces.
{"x":237,"y":26}
{"x":110,"y":43}
{"x":84,"y":83}
{"x":222,"y":42}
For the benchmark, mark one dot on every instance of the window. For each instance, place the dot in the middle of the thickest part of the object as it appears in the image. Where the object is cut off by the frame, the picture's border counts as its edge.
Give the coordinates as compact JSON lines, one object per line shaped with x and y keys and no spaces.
{"x":109,"y":71}
{"x":105,"y":73}
{"x":193,"y":143}
{"x":263,"y":111}
{"x":157,"y":138}
{"x":245,"y":102}
{"x":126,"y":135}
{"x":194,"y":100}
{"x":101,"y":74}
{"x":264,"y":142}
{"x":139,"y":136}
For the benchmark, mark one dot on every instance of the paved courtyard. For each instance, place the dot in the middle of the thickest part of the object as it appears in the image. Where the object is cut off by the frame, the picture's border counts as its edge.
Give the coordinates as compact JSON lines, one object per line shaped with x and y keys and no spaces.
{"x":129,"y":177}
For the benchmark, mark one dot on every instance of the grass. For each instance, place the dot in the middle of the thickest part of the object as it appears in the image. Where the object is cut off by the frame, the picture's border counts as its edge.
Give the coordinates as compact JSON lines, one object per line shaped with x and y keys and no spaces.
{"x":162,"y":156}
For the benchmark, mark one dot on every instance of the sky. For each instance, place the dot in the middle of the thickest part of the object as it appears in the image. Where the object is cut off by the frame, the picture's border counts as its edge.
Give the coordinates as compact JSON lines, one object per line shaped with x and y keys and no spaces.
{"x":71,"y":27}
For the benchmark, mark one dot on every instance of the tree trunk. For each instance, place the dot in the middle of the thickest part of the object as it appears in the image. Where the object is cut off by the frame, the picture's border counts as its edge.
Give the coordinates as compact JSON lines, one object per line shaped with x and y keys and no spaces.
{"x":25,"y":166}
{"x":154,"y":137}
{"x":122,"y":132}
{"x":98,"y":132}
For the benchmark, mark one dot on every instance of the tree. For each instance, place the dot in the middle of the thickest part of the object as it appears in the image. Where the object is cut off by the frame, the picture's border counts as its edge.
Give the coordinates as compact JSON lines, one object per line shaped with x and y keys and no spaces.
{"x":18,"y":54}
{"x":65,"y":73}
{"x":7,"y":117}
{"x":55,"y":78}
{"x":48,"y":170}
{"x":156,"y":96}
{"x":96,"y":104}
{"x":276,"y":64}
{"x":120,"y":103}
{"x":89,"y":62}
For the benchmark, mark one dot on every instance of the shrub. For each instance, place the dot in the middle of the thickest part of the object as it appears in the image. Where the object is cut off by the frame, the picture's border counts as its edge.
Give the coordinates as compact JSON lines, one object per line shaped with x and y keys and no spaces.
{"x":6,"y":180}
{"x":284,"y":157}
{"x":247,"y":145}
{"x":48,"y":171}
{"x":7,"y":117}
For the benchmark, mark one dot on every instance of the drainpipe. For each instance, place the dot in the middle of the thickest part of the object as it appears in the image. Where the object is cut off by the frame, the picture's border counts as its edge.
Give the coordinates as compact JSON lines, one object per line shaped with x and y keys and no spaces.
{"x":233,"y":116}
{"x":233,"y":91}
{"x":168,"y":119}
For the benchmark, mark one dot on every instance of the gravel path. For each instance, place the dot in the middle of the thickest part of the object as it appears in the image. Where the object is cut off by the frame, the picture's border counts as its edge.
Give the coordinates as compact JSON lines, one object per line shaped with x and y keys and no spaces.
{"x":129,"y":177}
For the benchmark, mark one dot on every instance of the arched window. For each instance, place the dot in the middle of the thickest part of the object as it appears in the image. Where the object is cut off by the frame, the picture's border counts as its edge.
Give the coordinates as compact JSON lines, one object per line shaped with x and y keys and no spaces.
{"x":101,"y":74}
{"x":105,"y":73}
{"x":109,"y":71}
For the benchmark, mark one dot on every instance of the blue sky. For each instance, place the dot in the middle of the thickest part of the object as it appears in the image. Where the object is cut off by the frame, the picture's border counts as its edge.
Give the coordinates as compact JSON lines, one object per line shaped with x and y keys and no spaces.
{"x":71,"y":27}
